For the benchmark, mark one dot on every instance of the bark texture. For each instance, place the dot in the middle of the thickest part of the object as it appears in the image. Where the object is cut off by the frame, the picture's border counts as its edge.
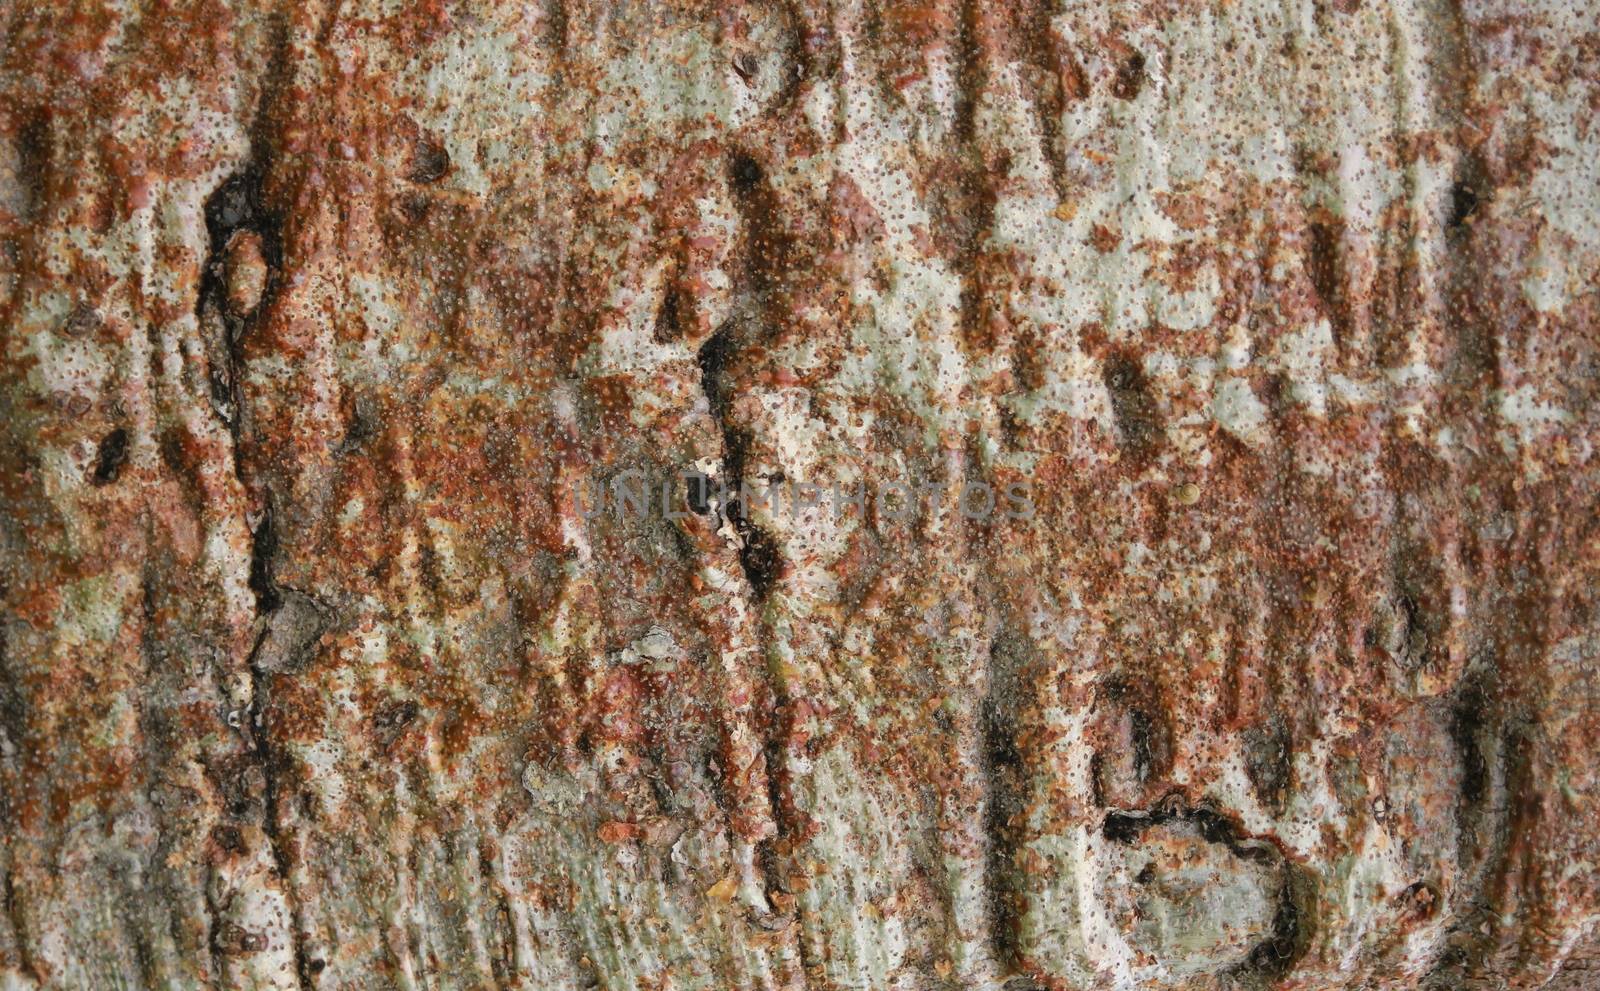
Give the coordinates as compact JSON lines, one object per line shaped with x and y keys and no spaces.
{"x":321,"y":319}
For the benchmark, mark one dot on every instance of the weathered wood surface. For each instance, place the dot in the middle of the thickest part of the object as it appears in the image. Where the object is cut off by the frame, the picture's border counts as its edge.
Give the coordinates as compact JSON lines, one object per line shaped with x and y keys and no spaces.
{"x":320,"y":316}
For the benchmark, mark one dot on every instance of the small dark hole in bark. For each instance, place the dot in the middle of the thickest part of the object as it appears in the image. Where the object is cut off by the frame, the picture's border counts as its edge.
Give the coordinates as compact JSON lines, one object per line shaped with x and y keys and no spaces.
{"x":1130,"y":77}
{"x":761,"y":561}
{"x":230,"y":839}
{"x":1121,"y":827}
{"x":713,"y":358}
{"x":84,"y":319}
{"x":364,"y":426}
{"x":746,"y":66}
{"x":231,"y":207}
{"x":668,"y":322}
{"x":1132,"y":406}
{"x":1463,"y":203}
{"x":746,"y":173}
{"x":429,"y":161}
{"x":698,"y":492}
{"x":1466,"y":729}
{"x":265,"y":540}
{"x":112,"y":455}
{"x":33,"y":149}
{"x":396,"y":715}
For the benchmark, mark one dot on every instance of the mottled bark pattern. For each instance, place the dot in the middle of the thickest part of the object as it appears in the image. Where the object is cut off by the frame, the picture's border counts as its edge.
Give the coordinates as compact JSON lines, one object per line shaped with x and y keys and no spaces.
{"x":321,"y":318}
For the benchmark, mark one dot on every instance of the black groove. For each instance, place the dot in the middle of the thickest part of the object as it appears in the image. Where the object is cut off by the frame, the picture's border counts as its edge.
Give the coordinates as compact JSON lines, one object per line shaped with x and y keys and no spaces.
{"x":1326,"y":268}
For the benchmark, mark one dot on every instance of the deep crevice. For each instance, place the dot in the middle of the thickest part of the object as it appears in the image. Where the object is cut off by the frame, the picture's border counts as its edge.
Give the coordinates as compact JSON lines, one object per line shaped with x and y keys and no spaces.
{"x":767,"y":856}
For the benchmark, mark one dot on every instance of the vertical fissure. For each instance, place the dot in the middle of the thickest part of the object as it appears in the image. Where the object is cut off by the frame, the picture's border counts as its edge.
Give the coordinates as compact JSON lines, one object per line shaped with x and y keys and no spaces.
{"x":238,"y":280}
{"x":1003,"y":770}
{"x":760,"y":557}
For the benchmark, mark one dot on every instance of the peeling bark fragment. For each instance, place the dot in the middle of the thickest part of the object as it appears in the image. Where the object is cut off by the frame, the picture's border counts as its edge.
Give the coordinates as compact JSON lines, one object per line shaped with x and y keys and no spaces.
{"x":291,"y":632}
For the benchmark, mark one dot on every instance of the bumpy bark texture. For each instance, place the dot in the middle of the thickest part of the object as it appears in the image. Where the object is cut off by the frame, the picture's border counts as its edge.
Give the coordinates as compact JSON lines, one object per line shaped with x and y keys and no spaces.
{"x":320,"y":320}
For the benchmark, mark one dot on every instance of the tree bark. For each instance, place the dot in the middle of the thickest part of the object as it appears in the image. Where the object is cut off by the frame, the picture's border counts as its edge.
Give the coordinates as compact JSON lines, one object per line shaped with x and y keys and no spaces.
{"x":331,"y":659}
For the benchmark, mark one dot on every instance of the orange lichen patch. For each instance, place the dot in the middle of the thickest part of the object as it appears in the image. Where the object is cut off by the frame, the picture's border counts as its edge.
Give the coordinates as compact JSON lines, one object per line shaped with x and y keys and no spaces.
{"x":1190,"y":211}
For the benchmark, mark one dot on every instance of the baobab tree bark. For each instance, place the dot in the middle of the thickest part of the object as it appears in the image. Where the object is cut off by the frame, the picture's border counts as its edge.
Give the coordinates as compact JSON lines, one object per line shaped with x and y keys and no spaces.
{"x":1273,"y":325}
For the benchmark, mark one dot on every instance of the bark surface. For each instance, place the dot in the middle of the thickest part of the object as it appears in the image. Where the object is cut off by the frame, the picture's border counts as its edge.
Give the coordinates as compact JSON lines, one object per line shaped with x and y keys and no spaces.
{"x":324,"y":321}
